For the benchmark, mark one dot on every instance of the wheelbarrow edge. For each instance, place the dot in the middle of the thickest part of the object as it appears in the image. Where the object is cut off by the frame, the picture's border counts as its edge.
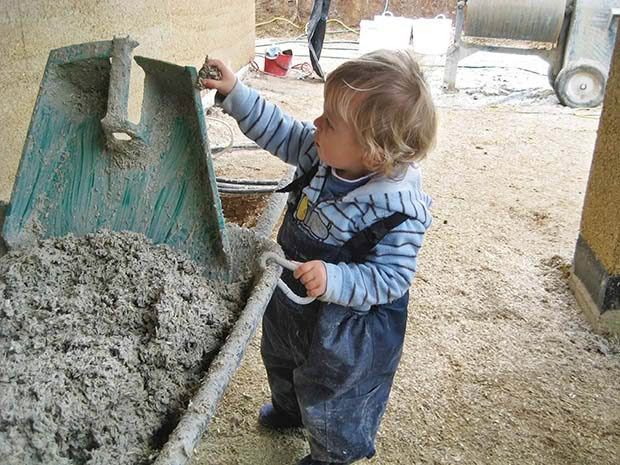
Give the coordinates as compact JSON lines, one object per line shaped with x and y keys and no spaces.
{"x":185,"y":438}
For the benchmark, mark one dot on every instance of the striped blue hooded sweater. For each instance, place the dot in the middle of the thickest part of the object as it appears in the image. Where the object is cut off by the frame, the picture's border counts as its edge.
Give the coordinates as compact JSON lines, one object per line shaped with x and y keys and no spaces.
{"x":388,"y":271}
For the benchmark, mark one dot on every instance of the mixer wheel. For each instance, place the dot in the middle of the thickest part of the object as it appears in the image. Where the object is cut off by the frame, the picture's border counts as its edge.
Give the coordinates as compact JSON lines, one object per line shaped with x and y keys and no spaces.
{"x":581,"y":84}
{"x":552,"y":74}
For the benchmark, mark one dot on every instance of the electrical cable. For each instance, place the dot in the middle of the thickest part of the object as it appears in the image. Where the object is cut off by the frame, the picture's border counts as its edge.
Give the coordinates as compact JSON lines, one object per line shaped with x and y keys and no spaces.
{"x":245,"y":190}
{"x":305,"y":69}
{"x":297,"y":41}
{"x":251,"y":146}
{"x":221,"y":150}
{"x":241,"y":186}
{"x":257,"y":182}
{"x":246,"y":186}
{"x":277,"y":18}
{"x":305,"y":27}
{"x":347,"y":28}
{"x":385,"y":7}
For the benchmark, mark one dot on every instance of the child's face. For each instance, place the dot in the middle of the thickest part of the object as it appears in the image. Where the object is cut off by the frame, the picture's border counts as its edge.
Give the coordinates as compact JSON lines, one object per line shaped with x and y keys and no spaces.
{"x":338,"y":147}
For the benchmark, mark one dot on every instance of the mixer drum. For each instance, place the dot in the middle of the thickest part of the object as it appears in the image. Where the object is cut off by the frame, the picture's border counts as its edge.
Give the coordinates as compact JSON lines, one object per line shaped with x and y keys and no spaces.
{"x":536,"y":20}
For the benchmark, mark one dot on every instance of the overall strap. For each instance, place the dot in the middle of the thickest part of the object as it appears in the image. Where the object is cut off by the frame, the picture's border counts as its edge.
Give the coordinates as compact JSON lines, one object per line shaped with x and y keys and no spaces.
{"x":365,"y":240}
{"x":302,"y":181}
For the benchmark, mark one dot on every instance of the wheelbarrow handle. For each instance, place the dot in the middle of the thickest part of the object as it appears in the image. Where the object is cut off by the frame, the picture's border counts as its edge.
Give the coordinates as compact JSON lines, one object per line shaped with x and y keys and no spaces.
{"x":116,"y":120}
{"x":289,"y":265}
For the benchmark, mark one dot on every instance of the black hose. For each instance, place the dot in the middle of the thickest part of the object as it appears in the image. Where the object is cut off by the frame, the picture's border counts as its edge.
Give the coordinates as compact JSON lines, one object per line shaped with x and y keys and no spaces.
{"x":245,"y":191}
{"x":246,"y":186}
{"x":316,"y":33}
{"x":249,"y":182}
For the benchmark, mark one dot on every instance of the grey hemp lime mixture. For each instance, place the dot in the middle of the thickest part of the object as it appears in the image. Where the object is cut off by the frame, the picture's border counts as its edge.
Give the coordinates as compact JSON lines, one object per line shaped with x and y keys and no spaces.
{"x":103,"y":340}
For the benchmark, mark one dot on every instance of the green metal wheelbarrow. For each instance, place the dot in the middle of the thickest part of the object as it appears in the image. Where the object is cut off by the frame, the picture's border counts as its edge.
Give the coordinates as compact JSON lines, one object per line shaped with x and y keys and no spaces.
{"x":85,"y":167}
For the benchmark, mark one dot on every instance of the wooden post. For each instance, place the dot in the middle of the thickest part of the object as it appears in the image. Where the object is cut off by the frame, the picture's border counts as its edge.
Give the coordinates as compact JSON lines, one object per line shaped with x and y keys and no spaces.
{"x":596,"y":266}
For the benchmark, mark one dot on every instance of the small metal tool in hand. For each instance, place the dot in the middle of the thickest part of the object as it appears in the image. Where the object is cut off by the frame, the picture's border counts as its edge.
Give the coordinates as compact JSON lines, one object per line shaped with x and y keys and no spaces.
{"x":208,"y":72}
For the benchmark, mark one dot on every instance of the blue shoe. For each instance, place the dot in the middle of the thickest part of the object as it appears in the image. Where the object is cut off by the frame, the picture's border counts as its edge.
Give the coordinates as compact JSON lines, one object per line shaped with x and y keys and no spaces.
{"x":308,"y":460}
{"x":271,"y":418}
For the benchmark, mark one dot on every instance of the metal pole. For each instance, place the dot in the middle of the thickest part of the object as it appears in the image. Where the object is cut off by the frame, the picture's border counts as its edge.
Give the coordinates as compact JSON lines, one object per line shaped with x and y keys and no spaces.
{"x":454,"y":52}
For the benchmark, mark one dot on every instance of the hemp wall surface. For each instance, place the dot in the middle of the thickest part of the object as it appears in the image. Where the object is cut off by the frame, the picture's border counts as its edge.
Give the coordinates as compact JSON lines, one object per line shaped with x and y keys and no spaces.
{"x":180,"y":32}
{"x":601,"y":215}
{"x":351,"y":12}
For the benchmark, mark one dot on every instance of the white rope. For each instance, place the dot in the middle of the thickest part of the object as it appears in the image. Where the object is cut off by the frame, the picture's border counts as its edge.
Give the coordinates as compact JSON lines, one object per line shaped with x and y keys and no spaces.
{"x":217,"y":151}
{"x":289,"y":265}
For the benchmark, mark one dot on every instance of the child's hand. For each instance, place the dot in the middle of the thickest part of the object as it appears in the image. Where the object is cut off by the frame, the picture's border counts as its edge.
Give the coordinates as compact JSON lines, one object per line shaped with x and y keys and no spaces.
{"x":313,"y":275}
{"x":223,"y":85}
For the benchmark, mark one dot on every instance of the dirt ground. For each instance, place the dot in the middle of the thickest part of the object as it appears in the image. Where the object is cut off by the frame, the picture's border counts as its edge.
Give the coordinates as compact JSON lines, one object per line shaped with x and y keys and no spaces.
{"x":499,"y":365}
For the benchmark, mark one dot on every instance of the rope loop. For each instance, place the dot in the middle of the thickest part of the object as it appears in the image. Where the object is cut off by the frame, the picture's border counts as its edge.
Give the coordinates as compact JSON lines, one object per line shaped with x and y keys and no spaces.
{"x":289,"y":265}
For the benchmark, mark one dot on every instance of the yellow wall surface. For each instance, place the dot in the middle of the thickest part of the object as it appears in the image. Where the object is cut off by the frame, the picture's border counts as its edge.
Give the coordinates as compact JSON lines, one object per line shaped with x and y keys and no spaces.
{"x":600,"y":226}
{"x":178,"y":31}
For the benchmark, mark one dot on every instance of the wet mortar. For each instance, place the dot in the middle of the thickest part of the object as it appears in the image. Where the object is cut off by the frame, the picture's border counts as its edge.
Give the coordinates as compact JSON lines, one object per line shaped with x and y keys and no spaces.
{"x":105,"y":338}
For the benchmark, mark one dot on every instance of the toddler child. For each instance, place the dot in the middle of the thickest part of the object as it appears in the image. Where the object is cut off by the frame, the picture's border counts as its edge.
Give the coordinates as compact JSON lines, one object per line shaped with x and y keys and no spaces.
{"x":355,"y":221}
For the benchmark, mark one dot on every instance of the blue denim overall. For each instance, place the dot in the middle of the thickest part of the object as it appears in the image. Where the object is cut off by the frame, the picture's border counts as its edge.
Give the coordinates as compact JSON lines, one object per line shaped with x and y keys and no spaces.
{"x":329,"y":365}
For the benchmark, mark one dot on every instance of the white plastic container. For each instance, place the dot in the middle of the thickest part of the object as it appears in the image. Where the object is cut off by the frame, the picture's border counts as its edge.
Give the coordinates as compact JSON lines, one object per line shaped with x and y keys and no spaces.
{"x":396,"y":30}
{"x":432,"y":36}
{"x":385,"y":31}
{"x":370,"y":37}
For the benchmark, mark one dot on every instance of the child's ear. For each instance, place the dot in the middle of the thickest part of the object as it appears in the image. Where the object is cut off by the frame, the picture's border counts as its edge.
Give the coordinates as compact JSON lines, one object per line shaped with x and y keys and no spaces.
{"x":375,"y":161}
{"x":368,"y":161}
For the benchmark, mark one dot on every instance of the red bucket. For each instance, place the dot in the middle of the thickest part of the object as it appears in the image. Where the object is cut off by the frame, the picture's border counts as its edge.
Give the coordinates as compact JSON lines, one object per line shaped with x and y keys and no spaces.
{"x":279,"y":65}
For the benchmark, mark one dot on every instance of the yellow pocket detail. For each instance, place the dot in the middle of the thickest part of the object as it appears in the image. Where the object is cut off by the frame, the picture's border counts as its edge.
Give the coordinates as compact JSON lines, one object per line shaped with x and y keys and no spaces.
{"x":302,"y":208}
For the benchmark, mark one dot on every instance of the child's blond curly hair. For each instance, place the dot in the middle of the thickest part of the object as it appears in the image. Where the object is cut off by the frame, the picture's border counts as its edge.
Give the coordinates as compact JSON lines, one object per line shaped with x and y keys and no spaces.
{"x":384,"y":98}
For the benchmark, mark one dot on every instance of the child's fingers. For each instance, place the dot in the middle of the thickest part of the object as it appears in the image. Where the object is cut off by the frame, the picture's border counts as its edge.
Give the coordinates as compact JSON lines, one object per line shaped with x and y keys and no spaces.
{"x":219,"y":64}
{"x":215,"y":62}
{"x":225,"y":82}
{"x":315,"y":289}
{"x":209,"y":83}
{"x":302,"y":269}
{"x":308,"y":279}
{"x":310,"y":275}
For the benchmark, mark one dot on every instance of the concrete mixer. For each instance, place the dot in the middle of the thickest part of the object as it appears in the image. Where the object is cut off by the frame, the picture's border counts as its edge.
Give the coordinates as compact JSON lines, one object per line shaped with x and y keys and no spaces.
{"x":576,"y":38}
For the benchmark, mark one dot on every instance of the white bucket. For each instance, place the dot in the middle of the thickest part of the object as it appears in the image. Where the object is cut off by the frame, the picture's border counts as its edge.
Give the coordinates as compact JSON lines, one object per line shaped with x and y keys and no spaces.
{"x":396,"y":30}
{"x":431,"y":36}
{"x":370,"y":36}
{"x":385,"y":31}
